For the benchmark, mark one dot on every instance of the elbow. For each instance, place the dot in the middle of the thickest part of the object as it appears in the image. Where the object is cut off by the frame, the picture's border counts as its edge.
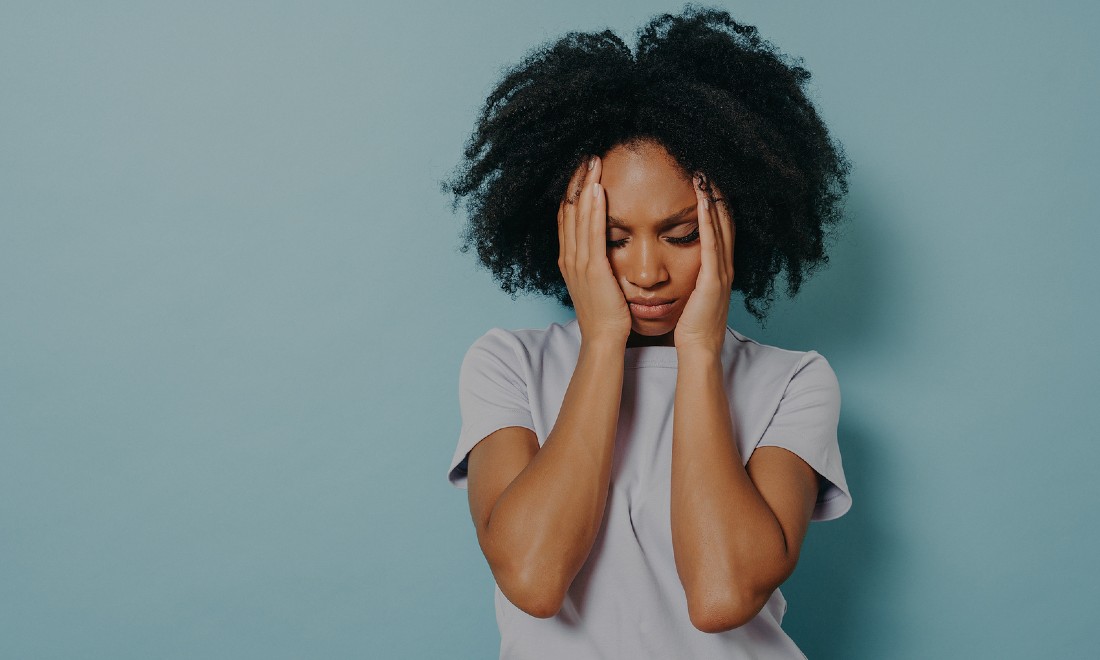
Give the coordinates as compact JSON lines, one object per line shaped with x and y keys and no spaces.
{"x":530,"y":581}
{"x":541,"y":608}
{"x":726,"y":611}
{"x":534,"y":592}
{"x":716,"y":606}
{"x":717,"y":618}
{"x":539,"y":604}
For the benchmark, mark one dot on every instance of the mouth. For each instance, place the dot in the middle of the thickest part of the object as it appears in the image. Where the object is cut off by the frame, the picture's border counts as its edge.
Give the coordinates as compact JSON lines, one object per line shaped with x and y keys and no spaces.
{"x":651,"y":309}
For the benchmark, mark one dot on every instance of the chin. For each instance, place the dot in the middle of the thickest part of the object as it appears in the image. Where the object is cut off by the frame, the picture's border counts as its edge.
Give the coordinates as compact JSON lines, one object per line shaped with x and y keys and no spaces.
{"x":656,"y":327}
{"x":651,"y":328}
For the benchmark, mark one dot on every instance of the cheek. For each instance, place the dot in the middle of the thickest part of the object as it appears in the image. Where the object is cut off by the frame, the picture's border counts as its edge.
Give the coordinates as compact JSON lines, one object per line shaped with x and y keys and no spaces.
{"x":615,"y":260}
{"x":688,"y":265}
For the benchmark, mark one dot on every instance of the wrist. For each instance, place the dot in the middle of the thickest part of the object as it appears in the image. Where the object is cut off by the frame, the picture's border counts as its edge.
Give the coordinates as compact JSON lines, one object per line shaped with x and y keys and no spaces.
{"x":603,"y":344}
{"x":705,"y":344}
{"x":698,"y":355}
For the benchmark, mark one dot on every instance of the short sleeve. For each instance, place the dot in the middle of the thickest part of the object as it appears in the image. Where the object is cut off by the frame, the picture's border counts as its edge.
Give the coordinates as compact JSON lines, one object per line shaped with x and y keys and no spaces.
{"x":805,"y":423}
{"x":492,"y":395}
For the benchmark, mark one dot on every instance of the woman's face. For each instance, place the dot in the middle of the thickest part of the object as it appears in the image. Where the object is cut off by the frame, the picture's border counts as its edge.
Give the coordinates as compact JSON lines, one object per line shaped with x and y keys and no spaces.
{"x":652,"y":236}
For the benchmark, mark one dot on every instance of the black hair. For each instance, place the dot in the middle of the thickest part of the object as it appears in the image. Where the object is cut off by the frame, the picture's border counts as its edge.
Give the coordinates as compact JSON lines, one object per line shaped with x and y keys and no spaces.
{"x":719,"y":98}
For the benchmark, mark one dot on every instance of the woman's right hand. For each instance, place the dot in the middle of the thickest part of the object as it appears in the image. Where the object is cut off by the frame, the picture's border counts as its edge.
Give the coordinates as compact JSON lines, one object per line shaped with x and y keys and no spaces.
{"x":602,"y":311}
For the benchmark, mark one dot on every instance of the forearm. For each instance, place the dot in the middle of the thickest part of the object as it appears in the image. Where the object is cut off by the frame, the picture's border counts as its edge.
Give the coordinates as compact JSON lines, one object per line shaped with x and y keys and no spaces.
{"x":543,"y":525}
{"x":729,"y":547}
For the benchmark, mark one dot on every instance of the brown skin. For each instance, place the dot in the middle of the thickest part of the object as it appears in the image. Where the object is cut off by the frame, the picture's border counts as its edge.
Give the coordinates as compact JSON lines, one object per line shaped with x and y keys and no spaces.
{"x":736,"y":529}
{"x":650,"y":201}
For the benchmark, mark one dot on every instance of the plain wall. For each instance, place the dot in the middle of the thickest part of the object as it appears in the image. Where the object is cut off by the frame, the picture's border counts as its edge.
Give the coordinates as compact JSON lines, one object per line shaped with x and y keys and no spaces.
{"x":232,"y":314}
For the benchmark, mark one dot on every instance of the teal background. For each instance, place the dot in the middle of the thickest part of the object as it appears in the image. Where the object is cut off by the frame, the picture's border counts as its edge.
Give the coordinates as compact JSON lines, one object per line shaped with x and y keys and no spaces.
{"x":232,"y":314}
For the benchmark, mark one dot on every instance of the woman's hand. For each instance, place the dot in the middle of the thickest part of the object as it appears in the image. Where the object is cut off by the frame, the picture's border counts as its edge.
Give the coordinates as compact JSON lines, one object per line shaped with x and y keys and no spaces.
{"x":602,"y":312}
{"x":703,"y":322}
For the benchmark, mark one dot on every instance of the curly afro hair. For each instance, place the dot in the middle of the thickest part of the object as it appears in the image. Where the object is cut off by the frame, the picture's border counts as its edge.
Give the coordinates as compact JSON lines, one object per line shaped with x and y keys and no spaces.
{"x":719,"y":98}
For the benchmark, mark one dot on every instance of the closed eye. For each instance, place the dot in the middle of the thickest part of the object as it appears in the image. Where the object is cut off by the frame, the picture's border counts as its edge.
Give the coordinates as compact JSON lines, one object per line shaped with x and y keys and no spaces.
{"x":675,"y":240}
{"x":684,"y":240}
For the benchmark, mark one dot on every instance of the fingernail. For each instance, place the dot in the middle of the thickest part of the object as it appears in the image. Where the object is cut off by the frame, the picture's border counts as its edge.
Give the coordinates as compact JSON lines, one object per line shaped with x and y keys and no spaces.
{"x":706,"y":204}
{"x":596,"y":191}
{"x":591,"y":163}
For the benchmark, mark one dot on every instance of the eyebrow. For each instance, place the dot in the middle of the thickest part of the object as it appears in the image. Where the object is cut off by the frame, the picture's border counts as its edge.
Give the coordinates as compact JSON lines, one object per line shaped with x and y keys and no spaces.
{"x":674,"y":219}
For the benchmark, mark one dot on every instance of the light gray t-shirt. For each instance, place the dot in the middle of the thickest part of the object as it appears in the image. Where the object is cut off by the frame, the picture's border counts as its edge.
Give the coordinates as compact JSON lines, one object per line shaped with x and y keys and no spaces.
{"x":627,"y":601}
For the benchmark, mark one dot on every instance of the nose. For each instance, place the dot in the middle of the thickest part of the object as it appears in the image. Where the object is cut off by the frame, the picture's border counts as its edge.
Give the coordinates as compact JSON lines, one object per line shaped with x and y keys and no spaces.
{"x":646,"y":267}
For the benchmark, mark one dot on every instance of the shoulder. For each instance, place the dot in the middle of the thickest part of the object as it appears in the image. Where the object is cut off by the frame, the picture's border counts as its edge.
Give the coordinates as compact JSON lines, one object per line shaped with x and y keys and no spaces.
{"x":751,"y":359}
{"x":529,"y":345}
{"x":799,"y":410}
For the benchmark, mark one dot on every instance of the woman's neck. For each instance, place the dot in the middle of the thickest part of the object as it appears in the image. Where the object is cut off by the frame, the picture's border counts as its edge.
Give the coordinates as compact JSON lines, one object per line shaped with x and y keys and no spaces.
{"x":636,"y":339}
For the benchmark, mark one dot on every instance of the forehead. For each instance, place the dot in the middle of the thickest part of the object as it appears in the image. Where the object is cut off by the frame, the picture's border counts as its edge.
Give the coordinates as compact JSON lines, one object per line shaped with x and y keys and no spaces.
{"x":644,"y":184}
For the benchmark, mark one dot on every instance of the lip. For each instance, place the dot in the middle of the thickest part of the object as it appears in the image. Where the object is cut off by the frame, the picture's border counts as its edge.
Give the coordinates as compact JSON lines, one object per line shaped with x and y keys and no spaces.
{"x":650,"y":308}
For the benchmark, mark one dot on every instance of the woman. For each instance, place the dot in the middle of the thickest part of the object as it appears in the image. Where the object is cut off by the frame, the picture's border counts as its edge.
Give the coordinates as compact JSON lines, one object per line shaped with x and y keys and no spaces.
{"x":641,"y":188}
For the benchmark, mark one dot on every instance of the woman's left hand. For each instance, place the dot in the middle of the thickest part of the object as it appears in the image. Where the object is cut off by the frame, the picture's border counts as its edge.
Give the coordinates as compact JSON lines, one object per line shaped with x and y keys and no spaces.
{"x":702,"y":326}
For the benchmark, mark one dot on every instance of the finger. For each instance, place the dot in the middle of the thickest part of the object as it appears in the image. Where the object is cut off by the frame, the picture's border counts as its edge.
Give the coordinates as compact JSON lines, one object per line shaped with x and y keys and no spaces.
{"x":584,"y":212}
{"x":725,"y":226}
{"x":597,"y":219}
{"x":576,"y":180}
{"x":566,"y":212}
{"x":707,"y":240}
{"x":561,"y":235}
{"x":721,"y":239}
{"x":569,"y":223}
{"x":597,"y":228}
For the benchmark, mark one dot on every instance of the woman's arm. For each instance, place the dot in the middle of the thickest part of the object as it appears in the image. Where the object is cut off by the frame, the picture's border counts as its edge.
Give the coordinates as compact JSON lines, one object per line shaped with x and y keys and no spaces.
{"x":736,"y":530}
{"x":537,"y":511}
